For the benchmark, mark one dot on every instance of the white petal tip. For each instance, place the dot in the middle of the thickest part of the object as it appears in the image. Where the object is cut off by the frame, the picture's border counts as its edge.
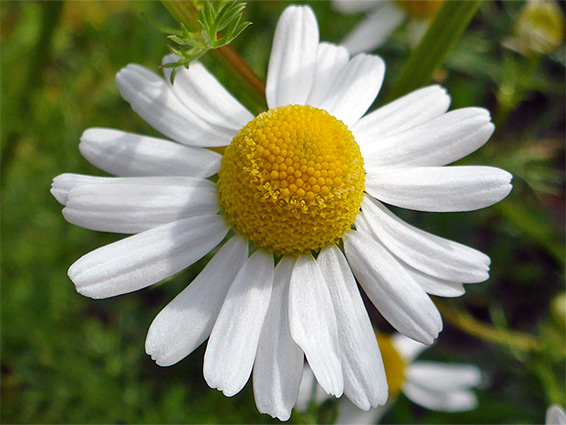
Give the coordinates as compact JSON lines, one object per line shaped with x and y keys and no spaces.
{"x":277,"y":413}
{"x":229,"y":392}
{"x":215,"y":382}
{"x":91,"y":291}
{"x":89,"y":132}
{"x":428,"y":338}
{"x":153,"y":350}
{"x":124,"y":75}
{"x":337,"y":391}
{"x":59,"y":195}
{"x":158,"y":359}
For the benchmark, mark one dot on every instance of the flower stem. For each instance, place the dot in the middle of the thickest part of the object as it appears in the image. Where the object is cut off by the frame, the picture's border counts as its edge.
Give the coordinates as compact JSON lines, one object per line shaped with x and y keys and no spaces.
{"x":187,"y":13}
{"x":485,"y":331}
{"x":445,"y":29}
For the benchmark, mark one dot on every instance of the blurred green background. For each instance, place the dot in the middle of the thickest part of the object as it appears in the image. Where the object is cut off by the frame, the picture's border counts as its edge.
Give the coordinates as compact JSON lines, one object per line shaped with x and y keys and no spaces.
{"x":69,"y":359}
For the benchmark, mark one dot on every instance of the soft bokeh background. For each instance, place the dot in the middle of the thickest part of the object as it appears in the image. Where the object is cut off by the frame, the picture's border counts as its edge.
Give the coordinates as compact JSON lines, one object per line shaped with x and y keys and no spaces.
{"x":69,"y":359}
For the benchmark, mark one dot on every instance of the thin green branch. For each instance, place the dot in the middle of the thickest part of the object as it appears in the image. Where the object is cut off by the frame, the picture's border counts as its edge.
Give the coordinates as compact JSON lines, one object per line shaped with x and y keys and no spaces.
{"x":186,"y":13}
{"x":487,"y":332}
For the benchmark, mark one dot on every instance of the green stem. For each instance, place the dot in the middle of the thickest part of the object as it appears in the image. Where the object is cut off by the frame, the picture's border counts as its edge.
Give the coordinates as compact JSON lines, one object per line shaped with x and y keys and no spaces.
{"x":187,"y":13}
{"x":38,"y":61}
{"x":446,"y":28}
{"x":487,"y":332}
{"x":548,"y":378}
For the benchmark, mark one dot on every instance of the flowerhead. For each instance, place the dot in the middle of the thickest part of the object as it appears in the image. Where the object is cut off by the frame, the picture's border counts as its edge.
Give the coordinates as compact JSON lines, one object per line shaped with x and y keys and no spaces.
{"x":436,"y":386}
{"x":294,"y":181}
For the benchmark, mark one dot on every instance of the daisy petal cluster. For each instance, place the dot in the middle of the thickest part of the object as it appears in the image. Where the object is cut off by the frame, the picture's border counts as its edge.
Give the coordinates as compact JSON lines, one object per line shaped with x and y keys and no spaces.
{"x":433,"y":385}
{"x":316,"y":170}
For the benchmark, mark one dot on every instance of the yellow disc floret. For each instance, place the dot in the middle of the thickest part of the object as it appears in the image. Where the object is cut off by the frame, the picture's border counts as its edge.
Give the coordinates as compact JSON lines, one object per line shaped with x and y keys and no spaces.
{"x":292,"y":180}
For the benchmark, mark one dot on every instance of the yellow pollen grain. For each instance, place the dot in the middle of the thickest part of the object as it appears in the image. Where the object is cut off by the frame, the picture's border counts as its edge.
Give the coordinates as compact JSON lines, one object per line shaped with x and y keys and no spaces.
{"x":292,"y":180}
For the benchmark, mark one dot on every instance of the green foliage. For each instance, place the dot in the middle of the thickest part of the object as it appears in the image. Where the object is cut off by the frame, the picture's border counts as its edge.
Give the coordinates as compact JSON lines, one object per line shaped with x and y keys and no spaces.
{"x":219,"y":24}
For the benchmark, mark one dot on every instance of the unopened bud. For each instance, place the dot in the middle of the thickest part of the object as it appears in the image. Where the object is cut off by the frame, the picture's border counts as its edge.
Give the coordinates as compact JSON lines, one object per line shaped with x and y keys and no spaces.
{"x":558,"y":309}
{"x":539,"y":28}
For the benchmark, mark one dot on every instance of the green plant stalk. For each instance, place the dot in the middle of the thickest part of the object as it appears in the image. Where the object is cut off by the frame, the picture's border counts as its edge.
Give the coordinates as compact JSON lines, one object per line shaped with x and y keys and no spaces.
{"x":38,"y":61}
{"x":186,"y":13}
{"x":487,"y":332}
{"x":554,"y":393}
{"x":443,"y":32}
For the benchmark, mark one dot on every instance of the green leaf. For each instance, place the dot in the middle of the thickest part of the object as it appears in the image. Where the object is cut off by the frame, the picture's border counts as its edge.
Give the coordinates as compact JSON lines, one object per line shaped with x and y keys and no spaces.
{"x":214,"y":17}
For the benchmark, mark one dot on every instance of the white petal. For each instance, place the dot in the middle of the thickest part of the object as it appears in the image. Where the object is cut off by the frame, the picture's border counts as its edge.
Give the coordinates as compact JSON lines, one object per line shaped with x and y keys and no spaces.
{"x":430,"y":284}
{"x":373,"y":30}
{"x":365,"y":383}
{"x":232,"y":346}
{"x":146,"y":258}
{"x":444,"y":377}
{"x":131,"y":155}
{"x":279,"y":361}
{"x":435,"y":286}
{"x":440,"y":189}
{"x":439,"y":141}
{"x":555,"y":415}
{"x":292,"y":62}
{"x":391,"y":289}
{"x":452,"y":401}
{"x":354,"y":89}
{"x":402,"y":114}
{"x":63,"y":183}
{"x":430,"y":254}
{"x":313,"y":323}
{"x":130,"y":207}
{"x":330,"y":59}
{"x":408,"y":348}
{"x":186,"y":321}
{"x":202,"y":94}
{"x":308,"y":384}
{"x":354,"y":6}
{"x":348,"y":414}
{"x":153,"y":100}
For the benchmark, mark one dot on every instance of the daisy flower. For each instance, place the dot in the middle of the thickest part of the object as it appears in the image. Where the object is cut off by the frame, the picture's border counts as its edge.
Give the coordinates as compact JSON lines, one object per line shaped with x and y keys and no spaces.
{"x":384,"y":16}
{"x":292,"y":181}
{"x":433,"y":385}
{"x":555,"y":415}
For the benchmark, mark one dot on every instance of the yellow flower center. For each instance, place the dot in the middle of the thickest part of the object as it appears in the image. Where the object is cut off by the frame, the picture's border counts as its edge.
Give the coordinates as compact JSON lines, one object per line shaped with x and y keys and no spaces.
{"x":394,"y":364}
{"x":292,"y":180}
{"x":424,"y":9}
